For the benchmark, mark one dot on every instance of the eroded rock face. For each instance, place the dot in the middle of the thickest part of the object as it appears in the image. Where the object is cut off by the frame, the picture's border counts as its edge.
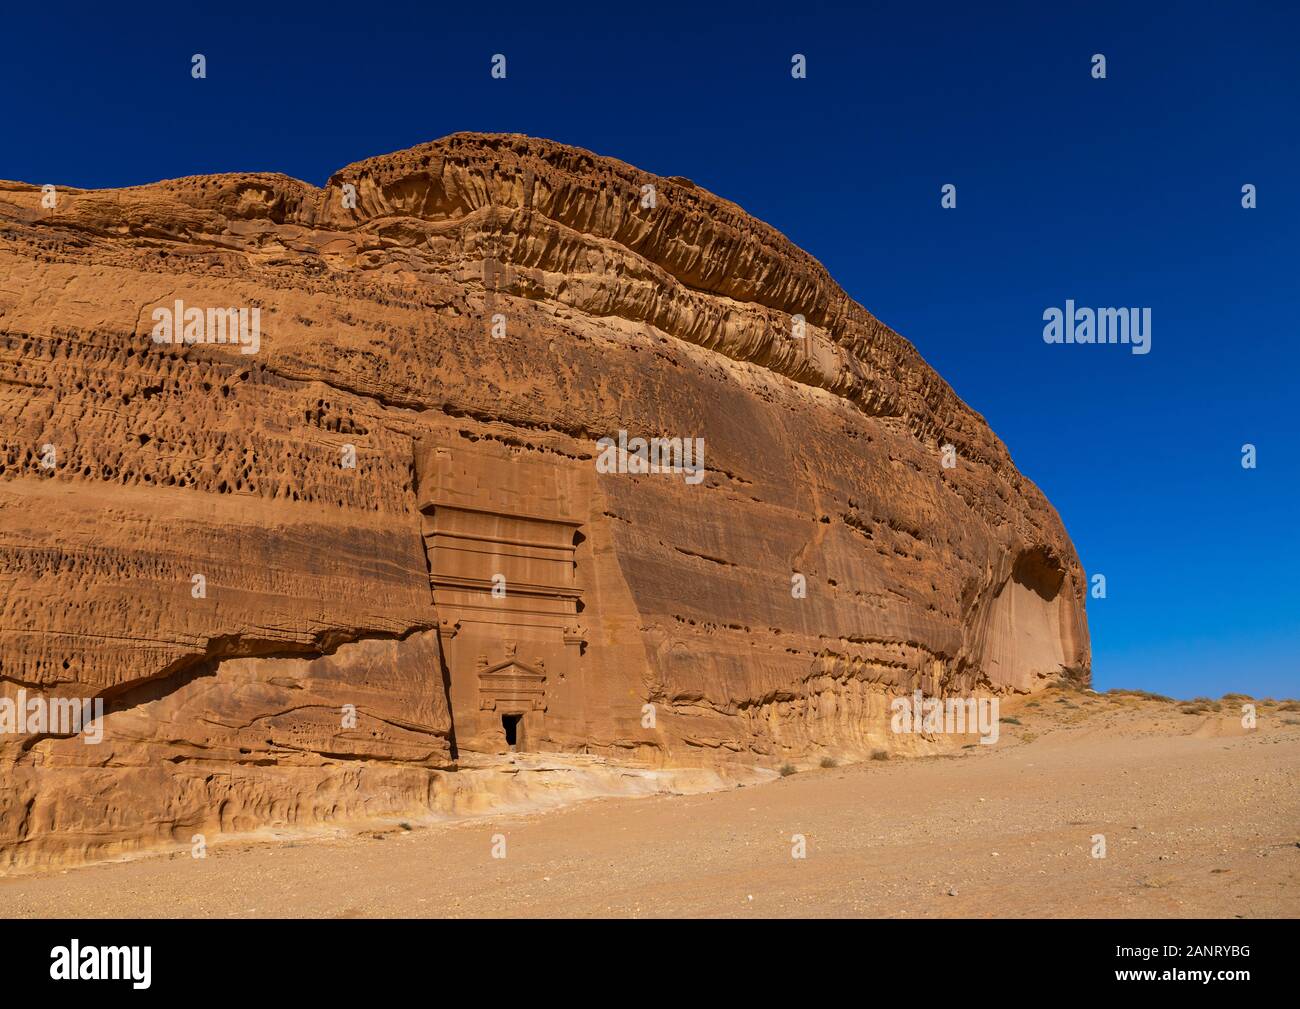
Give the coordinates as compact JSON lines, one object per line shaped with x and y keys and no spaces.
{"x":386,"y":501}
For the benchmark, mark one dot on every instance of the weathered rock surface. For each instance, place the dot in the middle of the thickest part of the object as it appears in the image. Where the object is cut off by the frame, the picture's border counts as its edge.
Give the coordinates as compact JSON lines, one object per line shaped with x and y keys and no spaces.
{"x":345,"y":650}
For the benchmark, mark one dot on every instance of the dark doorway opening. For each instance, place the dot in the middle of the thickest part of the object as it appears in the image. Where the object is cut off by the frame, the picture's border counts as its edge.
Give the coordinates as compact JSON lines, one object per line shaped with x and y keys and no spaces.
{"x":511,"y":724}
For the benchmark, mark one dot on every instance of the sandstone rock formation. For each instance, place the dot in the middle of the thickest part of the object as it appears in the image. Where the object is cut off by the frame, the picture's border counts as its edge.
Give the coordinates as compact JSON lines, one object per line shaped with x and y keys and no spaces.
{"x":311,"y":574}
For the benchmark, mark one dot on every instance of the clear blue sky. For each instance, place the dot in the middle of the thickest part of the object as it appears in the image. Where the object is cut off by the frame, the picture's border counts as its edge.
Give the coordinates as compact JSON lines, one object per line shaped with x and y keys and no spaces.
{"x":1124,"y":191}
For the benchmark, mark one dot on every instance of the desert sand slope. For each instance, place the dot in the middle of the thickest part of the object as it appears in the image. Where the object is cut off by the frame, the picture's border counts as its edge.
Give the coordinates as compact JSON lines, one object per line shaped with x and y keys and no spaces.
{"x":1200,"y":819}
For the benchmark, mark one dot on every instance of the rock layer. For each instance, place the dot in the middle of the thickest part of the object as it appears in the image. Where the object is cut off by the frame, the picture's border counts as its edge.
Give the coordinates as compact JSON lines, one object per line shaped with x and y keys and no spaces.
{"x":404,"y":546}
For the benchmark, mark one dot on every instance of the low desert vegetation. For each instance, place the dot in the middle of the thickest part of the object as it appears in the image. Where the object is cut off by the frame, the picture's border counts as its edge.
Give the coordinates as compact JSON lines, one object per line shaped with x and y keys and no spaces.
{"x":1145,"y":695}
{"x":879,"y":754}
{"x":787,"y":770}
{"x":828,"y":762}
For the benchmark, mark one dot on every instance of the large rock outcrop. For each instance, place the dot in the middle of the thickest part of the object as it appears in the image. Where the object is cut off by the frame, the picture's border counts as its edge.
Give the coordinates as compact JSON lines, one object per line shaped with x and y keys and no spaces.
{"x":311,"y":574}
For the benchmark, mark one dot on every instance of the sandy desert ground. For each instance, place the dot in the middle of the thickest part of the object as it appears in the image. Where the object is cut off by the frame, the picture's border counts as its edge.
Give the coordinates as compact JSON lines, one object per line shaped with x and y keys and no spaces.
{"x":1200,"y":818}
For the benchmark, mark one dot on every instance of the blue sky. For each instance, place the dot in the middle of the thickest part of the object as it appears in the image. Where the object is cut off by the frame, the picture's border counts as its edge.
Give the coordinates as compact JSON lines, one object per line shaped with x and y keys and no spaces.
{"x":1124,"y":191}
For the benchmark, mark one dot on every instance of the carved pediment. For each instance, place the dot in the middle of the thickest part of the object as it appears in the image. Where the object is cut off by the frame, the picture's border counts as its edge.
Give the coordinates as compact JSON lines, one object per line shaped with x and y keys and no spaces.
{"x":512,"y":684}
{"x":512,"y":668}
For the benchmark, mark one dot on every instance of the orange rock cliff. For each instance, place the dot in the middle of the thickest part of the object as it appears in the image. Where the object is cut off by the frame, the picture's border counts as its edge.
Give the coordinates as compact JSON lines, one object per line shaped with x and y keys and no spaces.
{"x":316,"y":560}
